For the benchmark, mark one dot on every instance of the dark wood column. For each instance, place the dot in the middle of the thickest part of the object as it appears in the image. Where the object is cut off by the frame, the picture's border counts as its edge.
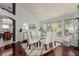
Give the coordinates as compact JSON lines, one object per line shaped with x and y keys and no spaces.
{"x":14,"y":8}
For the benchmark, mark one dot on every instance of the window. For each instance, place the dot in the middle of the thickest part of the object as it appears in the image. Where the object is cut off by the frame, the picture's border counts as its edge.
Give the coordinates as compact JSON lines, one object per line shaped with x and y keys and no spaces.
{"x":57,"y":28}
{"x":69,"y":27}
{"x":5,"y":26}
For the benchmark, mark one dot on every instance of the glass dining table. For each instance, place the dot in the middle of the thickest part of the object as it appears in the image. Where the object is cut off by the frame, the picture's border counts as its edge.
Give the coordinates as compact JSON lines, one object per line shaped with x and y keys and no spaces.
{"x":36,"y":51}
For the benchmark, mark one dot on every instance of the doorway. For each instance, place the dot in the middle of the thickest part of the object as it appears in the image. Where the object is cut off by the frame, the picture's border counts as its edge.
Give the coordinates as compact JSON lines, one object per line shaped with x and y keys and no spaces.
{"x":7,"y":35}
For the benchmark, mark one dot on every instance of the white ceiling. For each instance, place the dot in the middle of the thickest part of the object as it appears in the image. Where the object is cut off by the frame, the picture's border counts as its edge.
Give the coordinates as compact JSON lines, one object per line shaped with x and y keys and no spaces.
{"x":47,"y":11}
{"x":7,"y":6}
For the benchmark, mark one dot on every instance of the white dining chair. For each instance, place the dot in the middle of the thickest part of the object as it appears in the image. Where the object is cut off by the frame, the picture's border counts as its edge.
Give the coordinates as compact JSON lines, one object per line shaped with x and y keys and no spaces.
{"x":48,"y":40}
{"x":33,"y":38}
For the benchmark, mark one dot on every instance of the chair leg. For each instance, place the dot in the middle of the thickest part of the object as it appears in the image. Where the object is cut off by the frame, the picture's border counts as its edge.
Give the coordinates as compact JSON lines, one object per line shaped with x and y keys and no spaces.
{"x":45,"y":47}
{"x":62,"y":44}
{"x":51,"y":45}
{"x":54,"y":43}
{"x":34,"y":44}
{"x":39,"y":44}
{"x":29,"y":46}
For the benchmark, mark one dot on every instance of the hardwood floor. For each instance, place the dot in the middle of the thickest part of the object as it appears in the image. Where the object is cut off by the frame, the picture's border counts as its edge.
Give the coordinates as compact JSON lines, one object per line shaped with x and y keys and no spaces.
{"x":18,"y":50}
{"x":7,"y":52}
{"x":57,"y":51}
{"x":63,"y":51}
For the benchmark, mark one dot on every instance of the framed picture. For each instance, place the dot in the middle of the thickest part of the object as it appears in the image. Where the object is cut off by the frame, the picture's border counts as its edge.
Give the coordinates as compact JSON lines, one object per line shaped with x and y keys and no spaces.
{"x":9,"y":7}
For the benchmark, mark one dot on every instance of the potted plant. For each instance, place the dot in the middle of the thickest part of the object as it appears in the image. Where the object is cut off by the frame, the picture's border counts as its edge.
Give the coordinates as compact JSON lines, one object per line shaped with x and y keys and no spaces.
{"x":78,"y":37}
